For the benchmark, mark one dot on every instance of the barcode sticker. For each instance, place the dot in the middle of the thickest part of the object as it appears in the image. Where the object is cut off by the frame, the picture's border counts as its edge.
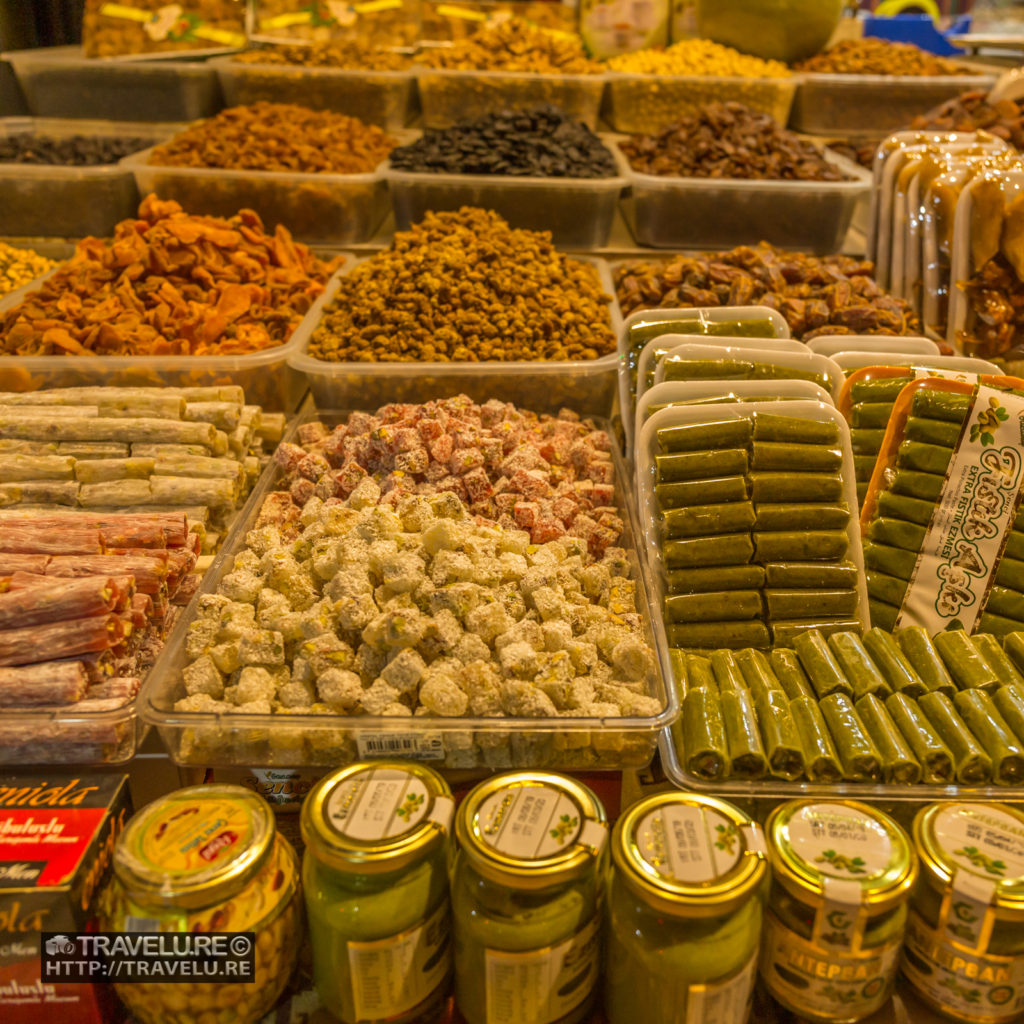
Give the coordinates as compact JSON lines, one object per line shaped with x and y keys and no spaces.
{"x":420,"y":746}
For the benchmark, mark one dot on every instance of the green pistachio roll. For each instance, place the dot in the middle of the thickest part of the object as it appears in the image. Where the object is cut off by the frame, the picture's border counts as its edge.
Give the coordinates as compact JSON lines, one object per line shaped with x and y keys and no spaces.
{"x":899,"y":765}
{"x":932,"y":754}
{"x":858,"y":754}
{"x":705,"y":749}
{"x":898,"y":671}
{"x":857,"y":665}
{"x":790,"y":673}
{"x":818,"y":661}
{"x":973,"y":767}
{"x":980,"y":713}
{"x":743,"y":738}
{"x":821,"y":759}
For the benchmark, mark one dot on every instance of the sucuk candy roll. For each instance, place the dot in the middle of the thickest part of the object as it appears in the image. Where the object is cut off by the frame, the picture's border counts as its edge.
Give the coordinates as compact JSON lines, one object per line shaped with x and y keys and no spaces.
{"x":684,"y":493}
{"x":800,"y":545}
{"x":901,"y":506}
{"x":882,"y":614}
{"x":757,"y":673}
{"x":699,"y":672}
{"x":989,"y":622}
{"x":767,"y":486}
{"x":1005,"y":602}
{"x":702,"y":520}
{"x":784,"y":455}
{"x":864,"y":466}
{"x":892,"y":561}
{"x":716,"y":606}
{"x":937,"y":432}
{"x":774,"y":427}
{"x":866,"y":440}
{"x":810,"y":603}
{"x":679,"y":466}
{"x":941,"y":405}
{"x":694,"y":437}
{"x":785,"y":516}
{"x":717,"y":577}
{"x":870,"y":415}
{"x":921,"y":458}
{"x":897,"y":533}
{"x":1009,"y":699}
{"x":721,"y":549}
{"x":811,"y":574}
{"x":885,"y":588}
{"x":734,"y":635}
{"x":914,"y":484}
{"x":921,"y":653}
{"x":881,"y":389}
{"x":1013,"y":644}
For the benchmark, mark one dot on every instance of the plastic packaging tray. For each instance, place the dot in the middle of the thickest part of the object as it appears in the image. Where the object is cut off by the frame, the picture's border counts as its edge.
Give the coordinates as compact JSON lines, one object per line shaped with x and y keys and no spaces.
{"x":59,"y":82}
{"x":650,"y":102}
{"x":12,"y":101}
{"x":719,"y":213}
{"x":51,"y":200}
{"x":324,"y":209}
{"x":587,"y":387}
{"x":307,"y":740}
{"x":577,"y":211}
{"x":450,"y":96}
{"x":385,"y":98}
{"x":830,"y":104}
{"x":850,"y":361}
{"x":829,"y":344}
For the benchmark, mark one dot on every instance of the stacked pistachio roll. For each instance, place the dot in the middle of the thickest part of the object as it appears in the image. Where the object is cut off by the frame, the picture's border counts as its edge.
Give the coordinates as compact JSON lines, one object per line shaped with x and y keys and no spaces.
{"x":902,"y":510}
{"x":894,"y":708}
{"x":754,"y":530}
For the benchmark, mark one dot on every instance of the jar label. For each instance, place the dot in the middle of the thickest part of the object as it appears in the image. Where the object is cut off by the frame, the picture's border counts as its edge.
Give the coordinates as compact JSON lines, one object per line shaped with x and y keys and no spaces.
{"x":972,"y":987}
{"x":823,"y":982}
{"x":723,"y":1002}
{"x":530,"y":822}
{"x":983,"y":840}
{"x":689,"y":844}
{"x":379,"y":803}
{"x":394,"y":975}
{"x":545,"y":984}
{"x":840,"y":842}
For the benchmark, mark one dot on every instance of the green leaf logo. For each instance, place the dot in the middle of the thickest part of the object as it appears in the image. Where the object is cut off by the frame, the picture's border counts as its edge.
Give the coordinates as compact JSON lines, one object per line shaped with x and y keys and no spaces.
{"x":839,"y":861}
{"x":409,"y":806}
{"x":564,"y":828}
{"x":981,"y":860}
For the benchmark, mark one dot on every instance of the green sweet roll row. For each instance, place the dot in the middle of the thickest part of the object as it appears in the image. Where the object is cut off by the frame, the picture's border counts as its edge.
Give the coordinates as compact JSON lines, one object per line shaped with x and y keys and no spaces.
{"x":681,"y":368}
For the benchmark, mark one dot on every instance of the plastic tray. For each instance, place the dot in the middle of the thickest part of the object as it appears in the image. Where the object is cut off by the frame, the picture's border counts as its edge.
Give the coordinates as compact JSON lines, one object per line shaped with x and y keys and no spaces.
{"x":385,"y":98}
{"x":12,"y":102}
{"x":718,"y":213}
{"x":577,"y":211}
{"x":650,"y":102}
{"x":861,"y":103}
{"x":59,"y":81}
{"x":450,"y":96}
{"x":324,"y":209}
{"x":51,"y":200}
{"x":829,"y":344}
{"x":306,"y":740}
{"x":850,"y":361}
{"x":588,"y":387}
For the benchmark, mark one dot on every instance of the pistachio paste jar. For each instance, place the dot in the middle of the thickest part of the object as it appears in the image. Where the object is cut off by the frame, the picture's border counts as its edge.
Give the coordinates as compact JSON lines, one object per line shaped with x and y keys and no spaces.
{"x":964,"y":948}
{"x":527,"y":899}
{"x":841,"y":878}
{"x":685,"y":911}
{"x":207,"y":859}
{"x":375,"y":878}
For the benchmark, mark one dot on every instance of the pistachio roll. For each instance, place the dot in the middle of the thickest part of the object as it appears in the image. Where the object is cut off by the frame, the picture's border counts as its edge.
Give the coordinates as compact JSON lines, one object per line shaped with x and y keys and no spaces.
{"x":972,"y":766}
{"x":857,"y":751}
{"x":931,"y":752}
{"x":821,"y":759}
{"x":899,"y":764}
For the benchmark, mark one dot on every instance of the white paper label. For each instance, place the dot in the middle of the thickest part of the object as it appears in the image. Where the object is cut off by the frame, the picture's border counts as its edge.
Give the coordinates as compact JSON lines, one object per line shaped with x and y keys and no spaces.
{"x":689,"y":844}
{"x":921,"y":372}
{"x":392,"y":976}
{"x":979,"y":499}
{"x":380,"y":803}
{"x":416,"y":746}
{"x":724,"y":1002}
{"x":543,"y":986}
{"x":983,"y":841}
{"x":530,"y":822}
{"x":840,"y":842}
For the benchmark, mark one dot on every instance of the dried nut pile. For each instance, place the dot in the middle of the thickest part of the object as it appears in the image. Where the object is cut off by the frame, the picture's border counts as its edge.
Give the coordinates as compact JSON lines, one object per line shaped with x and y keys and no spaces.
{"x":698,"y":57}
{"x":278,"y":137}
{"x":729,"y":140}
{"x":543,"y":142}
{"x":70,"y":151}
{"x":112,"y":29}
{"x":972,"y":111}
{"x":19,"y":266}
{"x":816,"y":295}
{"x":170,"y":284}
{"x":353,"y":605}
{"x":465,"y":287}
{"x":879,"y":57}
{"x":346,"y":54}
{"x":513,"y":45}
{"x":995,"y":299}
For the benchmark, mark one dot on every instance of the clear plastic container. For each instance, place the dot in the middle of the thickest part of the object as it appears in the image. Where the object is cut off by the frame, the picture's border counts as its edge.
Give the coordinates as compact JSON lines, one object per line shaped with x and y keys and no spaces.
{"x":385,"y":98}
{"x":451,"y":96}
{"x":588,"y":387}
{"x":832,"y":104}
{"x":53,"y":200}
{"x":58,"y":81}
{"x":850,"y":361}
{"x":12,"y":102}
{"x":719,"y":213}
{"x":324,"y":209}
{"x":296,"y":740}
{"x":649,"y":103}
{"x":829,"y":344}
{"x":577,"y":211}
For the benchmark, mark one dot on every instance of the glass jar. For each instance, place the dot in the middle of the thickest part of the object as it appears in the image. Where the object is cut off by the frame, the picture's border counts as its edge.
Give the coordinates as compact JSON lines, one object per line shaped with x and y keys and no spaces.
{"x":375,"y":877}
{"x":964,"y":950}
{"x":685,"y":911}
{"x":527,"y":899}
{"x":207,"y":859}
{"x":841,"y":877}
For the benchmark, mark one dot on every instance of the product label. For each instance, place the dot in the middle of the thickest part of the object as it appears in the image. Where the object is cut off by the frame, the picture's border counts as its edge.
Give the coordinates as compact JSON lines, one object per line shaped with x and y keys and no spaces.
{"x":415,"y":746}
{"x":825,"y":982}
{"x":983,"y":841}
{"x":172,"y":23}
{"x":382,"y":803}
{"x":534,"y":822}
{"x":392,"y":976}
{"x":921,"y":372}
{"x":689,"y":844}
{"x":724,"y":1002}
{"x":979,"y":498}
{"x":544,"y":985}
{"x":841,"y":842}
{"x":983,"y":988}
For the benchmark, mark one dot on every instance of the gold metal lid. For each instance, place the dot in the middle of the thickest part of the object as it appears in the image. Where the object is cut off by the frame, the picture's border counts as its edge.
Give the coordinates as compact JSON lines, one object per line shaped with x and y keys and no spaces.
{"x":376,"y":816}
{"x":689,"y":855}
{"x":531,"y":829}
{"x":840,"y":851}
{"x":978,"y":847}
{"x":194,"y":847}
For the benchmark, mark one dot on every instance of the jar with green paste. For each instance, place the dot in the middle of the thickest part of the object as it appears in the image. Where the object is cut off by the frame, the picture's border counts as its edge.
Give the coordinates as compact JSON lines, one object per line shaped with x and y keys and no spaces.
{"x":842,"y":873}
{"x":685,"y":912}
{"x":375,"y":877}
{"x":528,"y":899}
{"x":964,"y":948}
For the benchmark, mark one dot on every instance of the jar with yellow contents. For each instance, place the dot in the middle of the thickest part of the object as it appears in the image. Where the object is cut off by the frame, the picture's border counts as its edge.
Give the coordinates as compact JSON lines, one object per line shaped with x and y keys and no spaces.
{"x":841,"y":877}
{"x":375,"y":878}
{"x":685,"y":911}
{"x":207,"y":859}
{"x":964,"y":949}
{"x":528,"y":899}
